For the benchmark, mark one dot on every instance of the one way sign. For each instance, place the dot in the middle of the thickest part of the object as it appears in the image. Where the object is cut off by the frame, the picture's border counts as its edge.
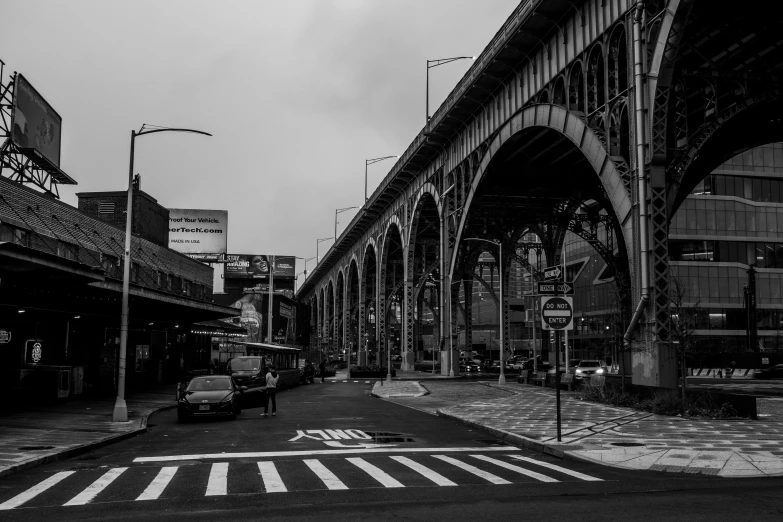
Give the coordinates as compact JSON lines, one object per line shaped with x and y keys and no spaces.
{"x":552,"y":272}
{"x":564,"y":288}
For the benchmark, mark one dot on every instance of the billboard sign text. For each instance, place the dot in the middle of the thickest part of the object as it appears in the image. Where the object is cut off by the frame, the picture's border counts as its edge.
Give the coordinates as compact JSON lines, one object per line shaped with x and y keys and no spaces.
{"x":249,"y":266}
{"x":198,"y":231}
{"x":35,"y":124}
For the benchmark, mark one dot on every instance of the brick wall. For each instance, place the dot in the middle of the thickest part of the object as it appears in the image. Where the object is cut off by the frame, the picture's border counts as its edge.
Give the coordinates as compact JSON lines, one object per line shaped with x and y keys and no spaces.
{"x":150,"y":219}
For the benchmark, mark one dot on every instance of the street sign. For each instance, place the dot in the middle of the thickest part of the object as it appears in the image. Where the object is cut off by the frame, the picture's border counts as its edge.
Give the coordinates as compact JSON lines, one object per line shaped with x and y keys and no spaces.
{"x":552,"y":272}
{"x":557,"y":313}
{"x":554,"y":288}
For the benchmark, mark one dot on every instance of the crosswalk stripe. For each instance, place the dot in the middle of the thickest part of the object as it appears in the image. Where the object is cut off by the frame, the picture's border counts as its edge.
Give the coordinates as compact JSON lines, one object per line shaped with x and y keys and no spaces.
{"x":34,"y":491}
{"x":355,"y":381}
{"x":272,"y":481}
{"x":158,"y":484}
{"x":472,"y":469}
{"x":523,"y":471}
{"x":375,"y":472}
{"x":437,"y":478}
{"x":326,"y":476}
{"x":218,"y":480}
{"x":559,"y":468}
{"x":91,"y":491}
{"x":366,"y":382}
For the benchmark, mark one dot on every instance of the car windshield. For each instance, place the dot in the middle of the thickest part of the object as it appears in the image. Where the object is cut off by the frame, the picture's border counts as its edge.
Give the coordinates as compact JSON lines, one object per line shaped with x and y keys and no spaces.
{"x":252,"y":363}
{"x":589,"y":363}
{"x":210,"y":383}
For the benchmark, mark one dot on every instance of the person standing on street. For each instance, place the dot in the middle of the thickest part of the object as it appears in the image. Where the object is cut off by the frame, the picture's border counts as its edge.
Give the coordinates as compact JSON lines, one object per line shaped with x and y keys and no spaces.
{"x":271,"y":388}
{"x":322,"y":369}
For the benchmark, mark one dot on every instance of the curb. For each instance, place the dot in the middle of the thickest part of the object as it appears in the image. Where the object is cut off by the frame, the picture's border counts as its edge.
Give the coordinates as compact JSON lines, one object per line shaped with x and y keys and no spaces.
{"x":84,"y":448}
{"x":421,"y":394}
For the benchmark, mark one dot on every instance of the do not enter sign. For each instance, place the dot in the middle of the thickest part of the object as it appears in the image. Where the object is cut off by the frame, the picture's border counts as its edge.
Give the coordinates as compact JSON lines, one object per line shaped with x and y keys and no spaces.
{"x":557,"y":313}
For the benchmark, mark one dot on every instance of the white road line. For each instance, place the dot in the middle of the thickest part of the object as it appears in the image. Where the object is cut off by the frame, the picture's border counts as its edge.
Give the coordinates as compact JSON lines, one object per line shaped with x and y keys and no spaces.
{"x":366,"y":382}
{"x":355,"y":381}
{"x":218,"y":480}
{"x":375,"y":472}
{"x":523,"y":471}
{"x":437,"y":478}
{"x":326,"y":476}
{"x":158,"y":484}
{"x":472,"y":469}
{"x":305,"y":453}
{"x":558,"y":468}
{"x":272,"y":481}
{"x":96,"y":487}
{"x":34,"y":491}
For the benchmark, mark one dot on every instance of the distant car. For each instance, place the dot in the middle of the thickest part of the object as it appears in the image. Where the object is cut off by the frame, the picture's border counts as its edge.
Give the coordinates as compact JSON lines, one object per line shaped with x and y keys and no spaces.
{"x":517,"y":362}
{"x":589,"y":368}
{"x":572,"y":364}
{"x":396,"y":357}
{"x":210,"y":396}
{"x":468,"y":366}
{"x":771,"y":372}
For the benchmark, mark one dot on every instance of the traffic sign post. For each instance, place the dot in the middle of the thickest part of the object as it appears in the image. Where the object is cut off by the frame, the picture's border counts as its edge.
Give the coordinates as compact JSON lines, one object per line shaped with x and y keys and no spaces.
{"x":557,"y":313}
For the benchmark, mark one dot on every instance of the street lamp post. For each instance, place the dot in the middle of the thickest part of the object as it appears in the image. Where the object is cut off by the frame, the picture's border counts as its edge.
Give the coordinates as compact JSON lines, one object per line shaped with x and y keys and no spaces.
{"x":501,"y":322}
{"x":340,"y":211}
{"x":120,"y":413}
{"x":367,"y":163}
{"x":317,"y":243}
{"x":436,"y":63}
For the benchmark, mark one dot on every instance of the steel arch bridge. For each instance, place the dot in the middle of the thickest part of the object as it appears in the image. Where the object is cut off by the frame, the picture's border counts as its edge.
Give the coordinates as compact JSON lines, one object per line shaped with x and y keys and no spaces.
{"x":590,"y":116}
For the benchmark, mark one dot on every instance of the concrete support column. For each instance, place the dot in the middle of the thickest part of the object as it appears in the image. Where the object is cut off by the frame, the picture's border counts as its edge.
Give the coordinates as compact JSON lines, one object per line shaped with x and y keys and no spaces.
{"x":467,"y":288}
{"x":344,"y":314}
{"x":380,"y":312}
{"x":361,"y":350}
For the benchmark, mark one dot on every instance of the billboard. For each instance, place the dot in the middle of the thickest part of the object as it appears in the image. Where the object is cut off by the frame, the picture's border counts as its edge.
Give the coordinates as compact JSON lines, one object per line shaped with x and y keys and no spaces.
{"x":249,"y":266}
{"x":198,"y":231}
{"x":35,"y":124}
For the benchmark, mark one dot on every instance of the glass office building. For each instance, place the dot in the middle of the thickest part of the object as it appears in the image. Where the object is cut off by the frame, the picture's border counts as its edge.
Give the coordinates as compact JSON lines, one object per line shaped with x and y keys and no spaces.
{"x":732,"y":219}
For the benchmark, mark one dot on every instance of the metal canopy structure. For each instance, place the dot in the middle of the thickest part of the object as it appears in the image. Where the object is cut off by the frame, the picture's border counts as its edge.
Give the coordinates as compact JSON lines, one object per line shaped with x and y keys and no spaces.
{"x":25,"y":166}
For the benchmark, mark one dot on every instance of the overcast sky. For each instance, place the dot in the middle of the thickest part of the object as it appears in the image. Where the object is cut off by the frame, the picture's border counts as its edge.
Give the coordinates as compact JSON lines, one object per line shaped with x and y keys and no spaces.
{"x":297,"y":93}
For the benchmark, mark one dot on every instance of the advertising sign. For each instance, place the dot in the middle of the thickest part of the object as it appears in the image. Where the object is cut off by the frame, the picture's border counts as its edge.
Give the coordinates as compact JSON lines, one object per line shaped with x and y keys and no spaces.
{"x":35,"y":124}
{"x":198,"y":231}
{"x":33,"y":351}
{"x":5,"y":336}
{"x":249,"y":266}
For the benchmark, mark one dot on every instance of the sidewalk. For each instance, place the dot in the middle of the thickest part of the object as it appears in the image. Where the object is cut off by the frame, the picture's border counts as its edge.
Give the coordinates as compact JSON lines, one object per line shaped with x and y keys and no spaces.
{"x":626,"y":438}
{"x":53,"y":432}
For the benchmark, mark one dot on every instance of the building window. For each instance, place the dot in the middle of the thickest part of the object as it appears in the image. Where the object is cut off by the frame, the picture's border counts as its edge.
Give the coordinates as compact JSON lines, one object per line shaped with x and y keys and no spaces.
{"x":186,"y":287}
{"x":106,"y":207}
{"x":17,"y":236}
{"x":134,"y":272}
{"x":111,"y":265}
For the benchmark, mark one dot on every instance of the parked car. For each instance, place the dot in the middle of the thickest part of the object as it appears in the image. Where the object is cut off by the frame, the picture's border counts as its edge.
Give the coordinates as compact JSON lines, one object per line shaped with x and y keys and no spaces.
{"x":210,"y":396}
{"x":572,"y":364}
{"x":517,"y":361}
{"x":396,"y":357}
{"x":588,"y":368}
{"x":247,"y":371}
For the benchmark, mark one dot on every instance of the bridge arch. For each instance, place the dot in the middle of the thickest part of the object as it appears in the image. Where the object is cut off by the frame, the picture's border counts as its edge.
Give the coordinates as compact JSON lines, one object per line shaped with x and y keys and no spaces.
{"x":572,"y":127}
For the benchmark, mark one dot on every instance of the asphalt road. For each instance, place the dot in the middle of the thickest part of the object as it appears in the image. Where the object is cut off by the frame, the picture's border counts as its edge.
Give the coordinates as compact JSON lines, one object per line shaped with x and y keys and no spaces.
{"x":380,"y":461}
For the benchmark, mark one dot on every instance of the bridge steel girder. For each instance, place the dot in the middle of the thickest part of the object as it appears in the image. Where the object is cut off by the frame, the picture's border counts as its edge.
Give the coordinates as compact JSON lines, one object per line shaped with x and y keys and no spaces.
{"x":494,"y":107}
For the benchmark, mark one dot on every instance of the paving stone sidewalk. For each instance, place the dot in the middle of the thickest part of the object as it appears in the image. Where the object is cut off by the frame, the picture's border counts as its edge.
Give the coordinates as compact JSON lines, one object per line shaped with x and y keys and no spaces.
{"x":45,"y":434}
{"x":385,"y":390}
{"x":628,"y":438}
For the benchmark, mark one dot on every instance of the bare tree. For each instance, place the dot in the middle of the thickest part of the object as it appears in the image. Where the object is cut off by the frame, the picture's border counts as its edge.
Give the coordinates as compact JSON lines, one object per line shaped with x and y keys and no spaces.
{"x":682,"y":323}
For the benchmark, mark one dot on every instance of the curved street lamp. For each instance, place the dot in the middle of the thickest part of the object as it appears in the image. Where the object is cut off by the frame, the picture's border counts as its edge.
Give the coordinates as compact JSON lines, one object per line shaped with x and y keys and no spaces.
{"x":436,"y":63}
{"x":367,"y":163}
{"x":340,"y":211}
{"x":318,"y":242}
{"x":120,"y":413}
{"x":502,"y":378}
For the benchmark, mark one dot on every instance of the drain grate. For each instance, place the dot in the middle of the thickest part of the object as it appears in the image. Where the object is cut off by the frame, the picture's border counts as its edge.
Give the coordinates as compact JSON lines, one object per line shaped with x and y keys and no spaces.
{"x":35,"y":448}
{"x":386,"y":437}
{"x":627,"y":444}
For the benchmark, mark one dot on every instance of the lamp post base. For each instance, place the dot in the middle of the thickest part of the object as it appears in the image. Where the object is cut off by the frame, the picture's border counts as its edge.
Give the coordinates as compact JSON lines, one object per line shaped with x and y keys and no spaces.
{"x":120,"y":413}
{"x":502,"y":379}
{"x":388,"y":378}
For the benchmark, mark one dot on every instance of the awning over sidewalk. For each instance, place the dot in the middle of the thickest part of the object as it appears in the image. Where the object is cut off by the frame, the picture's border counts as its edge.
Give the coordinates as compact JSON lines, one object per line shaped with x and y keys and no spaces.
{"x":271,"y":348}
{"x":46,"y":268}
{"x":218,"y":328}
